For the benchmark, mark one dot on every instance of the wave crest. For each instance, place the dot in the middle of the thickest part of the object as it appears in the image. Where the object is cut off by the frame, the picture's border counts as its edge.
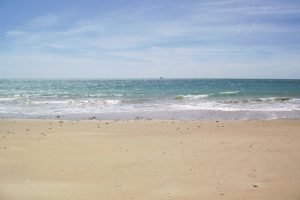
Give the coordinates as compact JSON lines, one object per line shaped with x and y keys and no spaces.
{"x":229,"y":92}
{"x":261,"y":100}
{"x":181,"y":97}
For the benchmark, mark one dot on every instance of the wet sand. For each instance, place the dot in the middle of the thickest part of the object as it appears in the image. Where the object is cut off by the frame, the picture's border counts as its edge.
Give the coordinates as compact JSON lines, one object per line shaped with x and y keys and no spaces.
{"x":149,"y":159}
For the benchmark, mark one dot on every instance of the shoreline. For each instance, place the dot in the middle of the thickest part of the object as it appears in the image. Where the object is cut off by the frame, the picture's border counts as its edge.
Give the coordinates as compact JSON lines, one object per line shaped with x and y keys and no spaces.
{"x":166,"y":115}
{"x":149,"y":159}
{"x":138,"y":119}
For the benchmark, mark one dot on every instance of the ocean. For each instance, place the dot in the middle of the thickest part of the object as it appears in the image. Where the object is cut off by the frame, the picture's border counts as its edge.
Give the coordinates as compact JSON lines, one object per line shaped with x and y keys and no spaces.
{"x":184,"y":99}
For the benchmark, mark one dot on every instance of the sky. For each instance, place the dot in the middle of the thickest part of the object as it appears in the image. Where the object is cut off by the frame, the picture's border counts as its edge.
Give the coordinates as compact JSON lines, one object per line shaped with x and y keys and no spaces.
{"x":150,"y":39}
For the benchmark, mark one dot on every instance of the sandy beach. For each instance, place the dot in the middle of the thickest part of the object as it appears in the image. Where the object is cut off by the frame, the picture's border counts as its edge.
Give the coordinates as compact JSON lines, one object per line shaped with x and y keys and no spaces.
{"x":149,"y":159}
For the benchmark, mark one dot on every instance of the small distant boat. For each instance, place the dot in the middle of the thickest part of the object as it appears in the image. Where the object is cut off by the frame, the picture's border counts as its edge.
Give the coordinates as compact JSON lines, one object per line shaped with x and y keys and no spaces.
{"x":161,"y":77}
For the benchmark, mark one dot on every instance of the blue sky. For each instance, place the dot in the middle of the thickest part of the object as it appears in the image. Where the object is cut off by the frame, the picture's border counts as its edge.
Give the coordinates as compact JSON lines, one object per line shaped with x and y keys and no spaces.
{"x":144,"y":39}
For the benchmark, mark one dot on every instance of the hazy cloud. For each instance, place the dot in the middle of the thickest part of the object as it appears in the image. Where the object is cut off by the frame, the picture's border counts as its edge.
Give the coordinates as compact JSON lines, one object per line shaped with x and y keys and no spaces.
{"x":197,"y":36}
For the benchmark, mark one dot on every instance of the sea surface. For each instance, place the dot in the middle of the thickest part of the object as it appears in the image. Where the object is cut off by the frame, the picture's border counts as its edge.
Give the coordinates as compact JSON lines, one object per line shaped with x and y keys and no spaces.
{"x":187,"y":99}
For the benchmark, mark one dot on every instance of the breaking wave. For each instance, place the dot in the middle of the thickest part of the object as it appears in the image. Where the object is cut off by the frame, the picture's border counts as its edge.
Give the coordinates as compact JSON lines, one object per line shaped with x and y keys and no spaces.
{"x":180,"y":97}
{"x":229,"y":92}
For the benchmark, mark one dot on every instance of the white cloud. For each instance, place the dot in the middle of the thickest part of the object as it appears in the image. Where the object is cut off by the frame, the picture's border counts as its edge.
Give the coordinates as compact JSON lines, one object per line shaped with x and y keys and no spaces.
{"x":45,"y":21}
{"x":14,"y":33}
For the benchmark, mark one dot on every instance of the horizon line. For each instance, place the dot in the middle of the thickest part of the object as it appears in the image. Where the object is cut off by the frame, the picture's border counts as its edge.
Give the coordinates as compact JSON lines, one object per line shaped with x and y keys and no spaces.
{"x":148,"y":78}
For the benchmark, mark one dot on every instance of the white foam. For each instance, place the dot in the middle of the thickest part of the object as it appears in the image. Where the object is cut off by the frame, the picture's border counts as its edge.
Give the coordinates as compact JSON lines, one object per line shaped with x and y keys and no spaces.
{"x":61,"y":102}
{"x":195,"y":102}
{"x":229,"y":92}
{"x":112,"y":102}
{"x":7,"y":99}
{"x":201,"y":96}
{"x":250,"y":106}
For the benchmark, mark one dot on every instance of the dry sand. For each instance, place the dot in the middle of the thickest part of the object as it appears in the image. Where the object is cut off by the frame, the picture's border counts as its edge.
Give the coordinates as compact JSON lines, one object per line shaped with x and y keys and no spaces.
{"x":145,"y":160}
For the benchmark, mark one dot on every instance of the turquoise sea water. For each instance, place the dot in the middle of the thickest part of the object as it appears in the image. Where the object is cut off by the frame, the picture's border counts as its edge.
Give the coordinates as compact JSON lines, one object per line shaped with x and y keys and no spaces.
{"x":151,"y":98}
